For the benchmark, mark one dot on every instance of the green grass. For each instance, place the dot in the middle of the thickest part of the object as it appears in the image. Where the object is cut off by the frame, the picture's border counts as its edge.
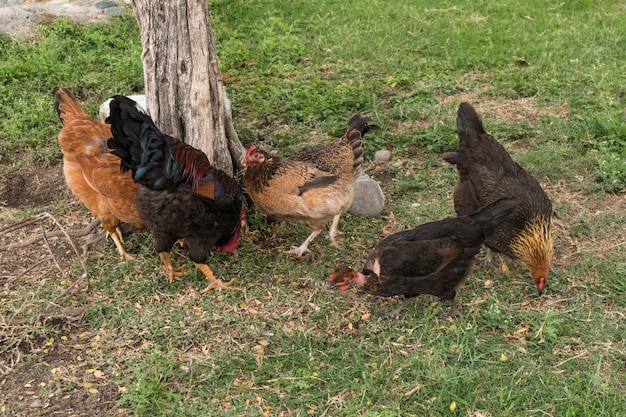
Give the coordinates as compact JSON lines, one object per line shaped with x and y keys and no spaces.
{"x":549,"y":81}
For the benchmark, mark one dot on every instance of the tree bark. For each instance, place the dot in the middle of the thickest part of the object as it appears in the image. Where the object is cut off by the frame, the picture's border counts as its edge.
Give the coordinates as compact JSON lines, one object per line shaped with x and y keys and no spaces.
{"x":183,"y":84}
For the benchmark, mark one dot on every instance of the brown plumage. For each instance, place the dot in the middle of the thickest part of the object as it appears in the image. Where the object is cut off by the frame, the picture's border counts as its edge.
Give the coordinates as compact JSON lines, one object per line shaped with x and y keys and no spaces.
{"x":92,"y":173}
{"x":312,"y":187}
{"x":487,"y":173}
{"x":433,"y":258}
{"x":181,"y":196}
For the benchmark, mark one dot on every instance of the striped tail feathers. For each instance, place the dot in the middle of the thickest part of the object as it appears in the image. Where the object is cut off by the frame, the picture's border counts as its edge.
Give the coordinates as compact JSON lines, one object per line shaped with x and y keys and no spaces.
{"x":357,"y":127}
{"x":66,"y":105}
{"x":360,"y":124}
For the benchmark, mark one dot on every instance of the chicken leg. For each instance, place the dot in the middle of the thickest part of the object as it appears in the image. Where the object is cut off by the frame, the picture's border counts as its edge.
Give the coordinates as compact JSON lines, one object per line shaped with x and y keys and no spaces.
{"x":394,"y":314}
{"x":334,"y":231}
{"x":299,"y":251}
{"x":169,"y":268}
{"x":118,"y":239}
{"x":216,"y":283}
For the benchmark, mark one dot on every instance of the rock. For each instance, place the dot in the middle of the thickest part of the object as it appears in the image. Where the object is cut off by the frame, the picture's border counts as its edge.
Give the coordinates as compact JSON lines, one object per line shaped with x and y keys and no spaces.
{"x":382,"y":155}
{"x":115,"y":11}
{"x":105,"y":109}
{"x":36,"y":403}
{"x":369,"y":199}
{"x":105,"y":4}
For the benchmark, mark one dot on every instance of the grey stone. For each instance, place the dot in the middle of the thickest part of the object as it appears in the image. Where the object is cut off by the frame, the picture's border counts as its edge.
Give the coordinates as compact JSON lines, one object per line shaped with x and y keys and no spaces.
{"x":36,"y":403}
{"x":382,"y":155}
{"x":114,"y":11}
{"x":105,"y":4}
{"x":369,"y":199}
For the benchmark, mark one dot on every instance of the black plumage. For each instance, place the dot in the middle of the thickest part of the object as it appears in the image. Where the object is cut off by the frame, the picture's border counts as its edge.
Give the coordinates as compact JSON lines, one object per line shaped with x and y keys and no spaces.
{"x":433,"y":258}
{"x":181,"y":197}
{"x":488,"y":173}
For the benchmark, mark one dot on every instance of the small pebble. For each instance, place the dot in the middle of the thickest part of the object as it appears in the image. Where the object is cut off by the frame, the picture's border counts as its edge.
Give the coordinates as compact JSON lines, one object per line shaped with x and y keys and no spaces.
{"x":36,"y":403}
{"x":382,"y":155}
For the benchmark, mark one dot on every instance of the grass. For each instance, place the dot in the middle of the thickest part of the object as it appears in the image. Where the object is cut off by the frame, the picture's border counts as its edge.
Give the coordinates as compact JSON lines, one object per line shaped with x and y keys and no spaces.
{"x":549,"y":82}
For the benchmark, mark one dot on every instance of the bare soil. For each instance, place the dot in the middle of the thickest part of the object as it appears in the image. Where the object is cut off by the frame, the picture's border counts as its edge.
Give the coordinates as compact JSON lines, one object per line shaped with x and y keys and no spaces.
{"x":47,"y":365}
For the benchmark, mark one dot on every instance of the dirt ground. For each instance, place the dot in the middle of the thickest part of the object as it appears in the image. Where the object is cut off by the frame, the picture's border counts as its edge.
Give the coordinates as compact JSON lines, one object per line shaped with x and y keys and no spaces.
{"x":32,"y":362}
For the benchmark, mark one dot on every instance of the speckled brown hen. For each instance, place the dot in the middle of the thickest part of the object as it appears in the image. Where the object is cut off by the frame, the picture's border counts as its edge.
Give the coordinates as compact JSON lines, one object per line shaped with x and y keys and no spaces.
{"x":487,"y":173}
{"x":312,"y":187}
{"x":434,"y":258}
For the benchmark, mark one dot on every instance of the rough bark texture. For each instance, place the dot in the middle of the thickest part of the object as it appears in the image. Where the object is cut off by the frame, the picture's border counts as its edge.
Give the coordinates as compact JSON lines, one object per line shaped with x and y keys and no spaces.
{"x":183,"y":84}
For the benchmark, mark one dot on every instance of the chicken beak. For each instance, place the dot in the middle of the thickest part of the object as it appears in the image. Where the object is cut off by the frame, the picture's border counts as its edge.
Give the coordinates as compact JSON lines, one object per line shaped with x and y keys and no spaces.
{"x":540,"y":285}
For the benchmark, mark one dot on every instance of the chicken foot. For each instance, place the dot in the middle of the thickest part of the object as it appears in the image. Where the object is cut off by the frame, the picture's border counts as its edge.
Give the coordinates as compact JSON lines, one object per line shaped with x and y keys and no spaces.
{"x":299,"y":251}
{"x":394,"y":314}
{"x":334,"y":231}
{"x":455,"y":303}
{"x":216,"y":283}
{"x":488,"y":262}
{"x":169,"y":268}
{"x":118,"y":239}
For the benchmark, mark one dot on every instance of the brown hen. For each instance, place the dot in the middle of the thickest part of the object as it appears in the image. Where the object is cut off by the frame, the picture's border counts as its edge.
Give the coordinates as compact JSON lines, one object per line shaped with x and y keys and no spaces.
{"x":92,"y":173}
{"x":434,"y":258}
{"x":487,"y":173}
{"x":313,"y":187}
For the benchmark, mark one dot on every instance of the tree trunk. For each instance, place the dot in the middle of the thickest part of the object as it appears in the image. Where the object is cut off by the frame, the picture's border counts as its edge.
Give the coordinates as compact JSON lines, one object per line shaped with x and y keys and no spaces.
{"x":183,"y":84}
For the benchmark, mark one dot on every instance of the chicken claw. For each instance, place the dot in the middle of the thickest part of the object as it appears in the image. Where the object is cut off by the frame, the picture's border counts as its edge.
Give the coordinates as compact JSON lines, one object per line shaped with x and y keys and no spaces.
{"x":216,"y":284}
{"x":300,"y":250}
{"x":169,"y":268}
{"x":394,"y":314}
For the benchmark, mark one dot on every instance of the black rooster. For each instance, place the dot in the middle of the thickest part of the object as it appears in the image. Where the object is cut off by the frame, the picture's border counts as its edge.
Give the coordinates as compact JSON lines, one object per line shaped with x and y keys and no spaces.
{"x":181,"y":197}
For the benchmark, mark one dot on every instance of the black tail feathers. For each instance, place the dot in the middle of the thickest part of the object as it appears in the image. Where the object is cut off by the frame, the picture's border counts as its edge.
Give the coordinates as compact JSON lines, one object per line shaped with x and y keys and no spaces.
{"x":494,"y":214}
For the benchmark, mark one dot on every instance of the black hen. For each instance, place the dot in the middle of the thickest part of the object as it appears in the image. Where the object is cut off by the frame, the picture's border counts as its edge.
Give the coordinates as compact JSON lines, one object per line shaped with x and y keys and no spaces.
{"x":433,"y":258}
{"x":181,"y":197}
{"x":487,"y":173}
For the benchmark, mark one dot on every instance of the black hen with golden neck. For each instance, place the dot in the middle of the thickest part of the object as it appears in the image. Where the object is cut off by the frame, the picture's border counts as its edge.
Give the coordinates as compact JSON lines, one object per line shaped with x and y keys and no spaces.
{"x":488,"y":173}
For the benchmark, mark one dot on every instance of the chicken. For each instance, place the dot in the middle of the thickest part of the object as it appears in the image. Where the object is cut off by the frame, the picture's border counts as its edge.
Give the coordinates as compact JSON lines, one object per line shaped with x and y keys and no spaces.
{"x":313,"y":187}
{"x":181,"y":196}
{"x":92,"y":174}
{"x":434,"y":258}
{"x":487,"y":173}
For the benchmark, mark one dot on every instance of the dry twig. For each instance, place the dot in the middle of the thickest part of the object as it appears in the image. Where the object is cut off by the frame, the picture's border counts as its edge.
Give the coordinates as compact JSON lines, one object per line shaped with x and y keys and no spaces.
{"x":40,"y":217}
{"x":27,"y":242}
